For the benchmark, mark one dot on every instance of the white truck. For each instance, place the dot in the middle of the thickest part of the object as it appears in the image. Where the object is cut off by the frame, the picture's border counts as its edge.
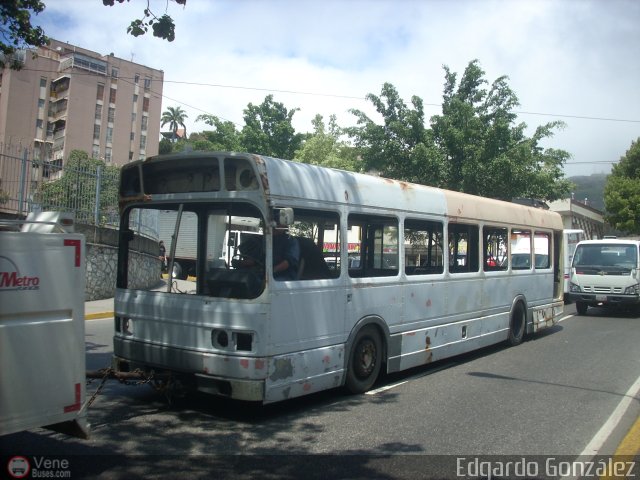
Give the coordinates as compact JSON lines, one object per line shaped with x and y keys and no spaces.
{"x":605,"y":273}
{"x":42,"y":344}
{"x":221,"y":247}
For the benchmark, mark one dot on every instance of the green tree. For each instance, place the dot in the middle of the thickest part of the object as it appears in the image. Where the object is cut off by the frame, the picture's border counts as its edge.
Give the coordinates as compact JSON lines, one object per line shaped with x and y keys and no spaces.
{"x":401,"y":147}
{"x":324,"y":147}
{"x":17,"y":32}
{"x":486,"y":153}
{"x":622,"y":192}
{"x":224,"y":137}
{"x":175,"y":117}
{"x":75,"y":190}
{"x":165,"y":146}
{"x":268,"y":130}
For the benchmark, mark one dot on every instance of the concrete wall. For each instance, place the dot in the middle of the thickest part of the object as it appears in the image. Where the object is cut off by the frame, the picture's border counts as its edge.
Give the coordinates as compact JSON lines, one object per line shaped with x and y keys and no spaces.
{"x":102,"y":260}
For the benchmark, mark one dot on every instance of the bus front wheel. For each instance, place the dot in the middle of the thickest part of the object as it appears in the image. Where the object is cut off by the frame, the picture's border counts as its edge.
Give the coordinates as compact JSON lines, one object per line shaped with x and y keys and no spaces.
{"x":517,"y":324}
{"x":365,"y":360}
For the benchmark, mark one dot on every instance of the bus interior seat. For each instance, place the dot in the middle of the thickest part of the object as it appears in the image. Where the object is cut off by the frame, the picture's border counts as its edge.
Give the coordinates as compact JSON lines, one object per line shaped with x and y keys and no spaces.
{"x":314,"y":266}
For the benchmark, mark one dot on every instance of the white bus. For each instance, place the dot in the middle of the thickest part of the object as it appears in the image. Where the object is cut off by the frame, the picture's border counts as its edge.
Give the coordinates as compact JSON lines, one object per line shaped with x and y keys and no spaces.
{"x":423,"y":274}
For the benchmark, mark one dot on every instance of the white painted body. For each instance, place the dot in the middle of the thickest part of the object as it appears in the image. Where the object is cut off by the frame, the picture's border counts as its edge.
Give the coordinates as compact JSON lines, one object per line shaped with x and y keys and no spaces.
{"x":42,"y":345}
{"x":303,"y":330}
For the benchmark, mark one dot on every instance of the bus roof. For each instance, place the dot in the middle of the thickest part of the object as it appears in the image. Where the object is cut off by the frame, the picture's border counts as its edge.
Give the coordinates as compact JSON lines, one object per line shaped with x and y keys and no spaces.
{"x":294,"y":179}
{"x":283,"y":180}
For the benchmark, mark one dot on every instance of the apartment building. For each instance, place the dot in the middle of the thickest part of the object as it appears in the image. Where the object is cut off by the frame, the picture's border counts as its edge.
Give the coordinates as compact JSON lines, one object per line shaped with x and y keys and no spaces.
{"x":70,"y":98}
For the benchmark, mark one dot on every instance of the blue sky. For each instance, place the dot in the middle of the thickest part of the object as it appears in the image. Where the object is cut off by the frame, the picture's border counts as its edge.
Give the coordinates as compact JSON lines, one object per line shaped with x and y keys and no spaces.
{"x":565,"y":59}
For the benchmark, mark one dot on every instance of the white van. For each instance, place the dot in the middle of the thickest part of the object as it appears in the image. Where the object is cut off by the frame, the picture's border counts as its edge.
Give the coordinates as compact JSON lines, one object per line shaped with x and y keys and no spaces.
{"x":605,"y":273}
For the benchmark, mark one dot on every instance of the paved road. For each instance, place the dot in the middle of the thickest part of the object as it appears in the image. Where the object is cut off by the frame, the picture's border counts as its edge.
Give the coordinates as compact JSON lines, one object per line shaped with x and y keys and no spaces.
{"x":548,"y":397}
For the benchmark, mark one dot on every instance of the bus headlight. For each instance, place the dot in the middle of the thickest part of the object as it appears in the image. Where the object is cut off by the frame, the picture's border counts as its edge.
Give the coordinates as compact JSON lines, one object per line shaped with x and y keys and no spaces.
{"x":574,"y":288}
{"x":632,"y":290}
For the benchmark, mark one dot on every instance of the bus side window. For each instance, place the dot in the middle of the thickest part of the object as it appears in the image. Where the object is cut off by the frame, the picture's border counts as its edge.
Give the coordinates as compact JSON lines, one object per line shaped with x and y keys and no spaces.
{"x":423,"y":247}
{"x":463,"y":248}
{"x":495,"y":248}
{"x":317,"y":232}
{"x":378,"y":240}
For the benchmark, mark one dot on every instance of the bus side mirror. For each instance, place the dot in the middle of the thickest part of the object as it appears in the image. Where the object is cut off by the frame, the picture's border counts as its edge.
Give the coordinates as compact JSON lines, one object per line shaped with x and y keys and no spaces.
{"x":283,"y":216}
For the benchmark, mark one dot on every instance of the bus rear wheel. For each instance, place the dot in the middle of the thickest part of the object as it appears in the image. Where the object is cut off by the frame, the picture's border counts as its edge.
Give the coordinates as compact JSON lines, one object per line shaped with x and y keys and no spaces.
{"x":517,"y":324}
{"x":365,"y":360}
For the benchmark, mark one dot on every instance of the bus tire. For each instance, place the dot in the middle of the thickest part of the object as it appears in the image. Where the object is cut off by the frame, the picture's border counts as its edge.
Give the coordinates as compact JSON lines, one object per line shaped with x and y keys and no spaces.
{"x":517,"y":324}
{"x":365,"y":360}
{"x":581,"y":307}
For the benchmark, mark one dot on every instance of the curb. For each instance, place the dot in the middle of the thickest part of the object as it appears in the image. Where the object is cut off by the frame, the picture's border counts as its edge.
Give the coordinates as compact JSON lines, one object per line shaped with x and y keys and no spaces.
{"x":98,"y":315}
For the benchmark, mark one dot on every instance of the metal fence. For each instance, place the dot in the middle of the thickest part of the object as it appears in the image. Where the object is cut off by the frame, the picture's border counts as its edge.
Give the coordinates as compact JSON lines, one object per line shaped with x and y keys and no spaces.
{"x":28,"y":184}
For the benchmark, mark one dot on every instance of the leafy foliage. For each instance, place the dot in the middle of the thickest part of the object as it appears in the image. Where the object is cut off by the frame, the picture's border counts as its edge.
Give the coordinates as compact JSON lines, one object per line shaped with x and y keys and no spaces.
{"x":75,"y":190}
{"x":16,"y":31}
{"x":223,"y":137}
{"x":473,"y":147}
{"x":324,"y":147}
{"x":622,"y":192}
{"x":269,"y":130}
{"x":162,"y":27}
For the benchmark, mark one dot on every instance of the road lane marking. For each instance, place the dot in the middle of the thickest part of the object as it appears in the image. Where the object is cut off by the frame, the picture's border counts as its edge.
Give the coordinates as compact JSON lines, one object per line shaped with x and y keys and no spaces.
{"x":612,"y":422}
{"x":414,"y":377}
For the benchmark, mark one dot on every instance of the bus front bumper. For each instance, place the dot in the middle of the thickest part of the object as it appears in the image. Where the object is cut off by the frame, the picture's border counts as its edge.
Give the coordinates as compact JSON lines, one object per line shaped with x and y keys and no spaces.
{"x":237,"y":377}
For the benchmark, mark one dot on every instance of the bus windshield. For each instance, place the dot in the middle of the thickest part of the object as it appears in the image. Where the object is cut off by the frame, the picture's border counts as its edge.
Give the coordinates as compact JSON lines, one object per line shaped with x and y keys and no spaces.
{"x":202,"y":244}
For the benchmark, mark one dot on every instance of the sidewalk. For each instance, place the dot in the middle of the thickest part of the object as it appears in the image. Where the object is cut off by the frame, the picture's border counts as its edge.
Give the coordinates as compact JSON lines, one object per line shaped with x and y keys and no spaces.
{"x":98,"y":309}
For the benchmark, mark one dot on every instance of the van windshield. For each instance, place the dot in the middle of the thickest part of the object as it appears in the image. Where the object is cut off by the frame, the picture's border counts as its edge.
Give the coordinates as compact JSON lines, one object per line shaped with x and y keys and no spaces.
{"x":606,"y":257}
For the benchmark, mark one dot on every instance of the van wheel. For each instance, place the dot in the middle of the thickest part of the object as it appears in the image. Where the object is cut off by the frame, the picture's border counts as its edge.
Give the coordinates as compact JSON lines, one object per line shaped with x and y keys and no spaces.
{"x":581,"y":308}
{"x":517,"y":324}
{"x":365,"y":360}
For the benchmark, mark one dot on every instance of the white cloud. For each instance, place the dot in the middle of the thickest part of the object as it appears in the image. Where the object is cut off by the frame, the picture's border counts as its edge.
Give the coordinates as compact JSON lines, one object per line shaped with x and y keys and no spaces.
{"x":575,"y":57}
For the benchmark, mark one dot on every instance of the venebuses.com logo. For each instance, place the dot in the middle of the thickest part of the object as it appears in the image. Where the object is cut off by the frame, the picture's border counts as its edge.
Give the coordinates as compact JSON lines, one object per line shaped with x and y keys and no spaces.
{"x":12,"y":279}
{"x":39,"y":467}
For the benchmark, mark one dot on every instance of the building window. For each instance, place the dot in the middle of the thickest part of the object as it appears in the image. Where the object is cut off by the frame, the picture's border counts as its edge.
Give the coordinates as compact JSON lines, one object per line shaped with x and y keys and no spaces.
{"x":130,"y":156}
{"x":98,"y":112}
{"x":100,"y":94}
{"x":132,"y":136}
{"x":43,"y":82}
{"x":95,"y":152}
{"x":143,"y":142}
{"x":133,"y":117}
{"x":135,"y":98}
{"x":114,"y":72}
{"x":147,"y":83}
{"x":112,"y":95}
{"x":145,"y":121}
{"x":41,"y":103}
{"x":96,"y":132}
{"x":136,"y":79}
{"x":109,"y":138}
{"x":107,"y":154}
{"x":111,"y":115}
{"x":145,"y":104}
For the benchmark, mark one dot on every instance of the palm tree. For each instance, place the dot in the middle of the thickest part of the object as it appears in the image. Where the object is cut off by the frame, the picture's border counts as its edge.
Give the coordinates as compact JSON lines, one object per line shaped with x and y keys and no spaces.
{"x":175,"y":117}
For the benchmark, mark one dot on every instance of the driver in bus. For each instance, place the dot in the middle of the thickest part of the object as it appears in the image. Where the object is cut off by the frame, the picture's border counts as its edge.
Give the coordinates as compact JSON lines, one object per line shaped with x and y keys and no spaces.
{"x":286,"y":255}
